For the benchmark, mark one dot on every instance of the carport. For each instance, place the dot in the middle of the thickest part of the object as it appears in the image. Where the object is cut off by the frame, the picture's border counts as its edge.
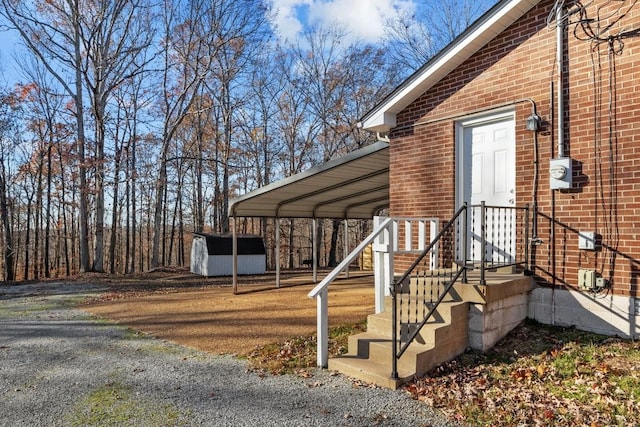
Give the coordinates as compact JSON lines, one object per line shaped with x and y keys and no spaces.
{"x":354,"y":186}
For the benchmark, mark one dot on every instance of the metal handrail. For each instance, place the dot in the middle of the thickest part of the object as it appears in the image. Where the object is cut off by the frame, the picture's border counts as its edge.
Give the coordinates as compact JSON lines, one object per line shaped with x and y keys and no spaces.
{"x":453,"y":276}
{"x":398,"y":284}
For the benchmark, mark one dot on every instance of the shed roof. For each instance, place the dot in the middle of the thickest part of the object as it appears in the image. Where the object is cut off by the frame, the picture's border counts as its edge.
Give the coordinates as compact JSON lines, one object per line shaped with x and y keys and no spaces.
{"x":222,"y":244}
{"x":355,"y":186}
{"x":382,"y":117}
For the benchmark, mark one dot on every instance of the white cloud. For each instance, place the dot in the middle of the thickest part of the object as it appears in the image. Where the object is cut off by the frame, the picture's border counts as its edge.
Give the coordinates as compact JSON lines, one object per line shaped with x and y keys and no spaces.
{"x":286,"y":17}
{"x":364,"y":19}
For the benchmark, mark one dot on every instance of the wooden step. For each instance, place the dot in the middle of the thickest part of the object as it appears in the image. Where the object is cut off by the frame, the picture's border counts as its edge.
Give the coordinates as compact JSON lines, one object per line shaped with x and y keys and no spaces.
{"x":381,"y":323}
{"x":441,"y":315}
{"x":368,"y":371}
{"x":370,"y":353}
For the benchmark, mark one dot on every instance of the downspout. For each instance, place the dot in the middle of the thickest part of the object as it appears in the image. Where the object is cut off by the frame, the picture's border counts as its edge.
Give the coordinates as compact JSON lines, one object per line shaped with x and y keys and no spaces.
{"x":381,"y":137}
{"x":560,"y":26}
{"x":535,"y":240}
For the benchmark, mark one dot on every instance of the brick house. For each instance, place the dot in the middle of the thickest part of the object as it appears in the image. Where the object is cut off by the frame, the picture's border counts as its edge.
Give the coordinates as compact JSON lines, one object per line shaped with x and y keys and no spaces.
{"x":537,"y":103}
{"x":514,"y":151}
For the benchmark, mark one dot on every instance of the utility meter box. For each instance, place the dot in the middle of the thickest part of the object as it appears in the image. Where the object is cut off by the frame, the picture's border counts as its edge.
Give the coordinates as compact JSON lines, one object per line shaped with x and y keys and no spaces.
{"x":561,"y":173}
{"x":586,"y":279}
{"x":589,"y":241}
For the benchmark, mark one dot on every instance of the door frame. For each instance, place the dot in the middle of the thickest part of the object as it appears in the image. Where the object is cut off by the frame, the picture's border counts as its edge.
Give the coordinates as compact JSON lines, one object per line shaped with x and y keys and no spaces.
{"x":463,"y":159}
{"x":461,"y":155}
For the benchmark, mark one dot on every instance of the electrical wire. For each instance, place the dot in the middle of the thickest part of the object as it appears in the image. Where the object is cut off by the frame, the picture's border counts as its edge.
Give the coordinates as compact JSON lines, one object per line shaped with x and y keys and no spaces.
{"x":603,"y":29}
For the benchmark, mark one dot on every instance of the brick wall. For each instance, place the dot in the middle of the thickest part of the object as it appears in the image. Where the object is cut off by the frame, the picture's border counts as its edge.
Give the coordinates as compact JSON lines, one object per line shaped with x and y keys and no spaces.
{"x":602,"y":136}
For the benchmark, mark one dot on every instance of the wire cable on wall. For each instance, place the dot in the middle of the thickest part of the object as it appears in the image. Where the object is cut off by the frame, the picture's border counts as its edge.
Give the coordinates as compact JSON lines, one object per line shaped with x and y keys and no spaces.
{"x":604,"y":29}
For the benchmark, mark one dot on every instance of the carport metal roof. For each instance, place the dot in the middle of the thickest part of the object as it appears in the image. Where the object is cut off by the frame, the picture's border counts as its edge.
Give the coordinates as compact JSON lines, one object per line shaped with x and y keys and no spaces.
{"x":353,"y":186}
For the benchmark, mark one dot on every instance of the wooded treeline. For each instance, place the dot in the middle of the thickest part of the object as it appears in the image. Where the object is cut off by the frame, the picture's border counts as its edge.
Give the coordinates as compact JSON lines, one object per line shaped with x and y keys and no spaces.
{"x":137,"y":121}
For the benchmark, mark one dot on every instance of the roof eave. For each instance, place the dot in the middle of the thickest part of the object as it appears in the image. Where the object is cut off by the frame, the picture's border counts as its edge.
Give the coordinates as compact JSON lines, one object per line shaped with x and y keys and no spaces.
{"x":382,"y":118}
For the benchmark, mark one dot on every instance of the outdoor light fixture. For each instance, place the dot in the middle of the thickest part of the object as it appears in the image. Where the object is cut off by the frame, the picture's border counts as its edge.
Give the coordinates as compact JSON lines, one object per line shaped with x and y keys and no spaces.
{"x":533,"y":122}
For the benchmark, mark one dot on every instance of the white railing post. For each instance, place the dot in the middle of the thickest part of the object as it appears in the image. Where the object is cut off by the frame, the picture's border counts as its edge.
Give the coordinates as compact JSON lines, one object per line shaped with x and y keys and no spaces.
{"x":422,"y":235}
{"x":383,"y":262}
{"x":391,"y":234}
{"x":434,"y":230}
{"x":323,"y":328}
{"x":408,"y":242}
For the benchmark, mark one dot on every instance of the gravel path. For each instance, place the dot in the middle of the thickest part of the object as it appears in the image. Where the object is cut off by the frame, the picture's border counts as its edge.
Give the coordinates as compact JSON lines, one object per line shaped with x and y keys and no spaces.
{"x":60,"y":366}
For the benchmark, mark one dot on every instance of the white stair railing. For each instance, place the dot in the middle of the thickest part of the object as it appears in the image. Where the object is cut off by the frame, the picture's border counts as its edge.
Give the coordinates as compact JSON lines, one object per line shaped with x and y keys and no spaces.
{"x":385,"y":243}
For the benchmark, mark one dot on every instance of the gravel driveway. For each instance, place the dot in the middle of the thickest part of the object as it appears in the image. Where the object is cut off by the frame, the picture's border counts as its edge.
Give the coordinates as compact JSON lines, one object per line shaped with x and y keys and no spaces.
{"x":60,"y":366}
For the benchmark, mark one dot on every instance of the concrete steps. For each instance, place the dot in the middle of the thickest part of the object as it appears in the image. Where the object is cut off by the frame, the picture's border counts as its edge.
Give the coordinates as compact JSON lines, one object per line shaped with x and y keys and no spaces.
{"x":369,"y":357}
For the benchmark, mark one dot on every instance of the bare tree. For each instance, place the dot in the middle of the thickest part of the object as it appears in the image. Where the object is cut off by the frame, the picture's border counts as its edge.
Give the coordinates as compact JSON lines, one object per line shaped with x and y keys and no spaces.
{"x":187,"y":57}
{"x":53,"y":33}
{"x":207,"y":42}
{"x":341,"y":83}
{"x":92,"y":46}
{"x":413,"y":38}
{"x":116,"y":36}
{"x":8,"y":104}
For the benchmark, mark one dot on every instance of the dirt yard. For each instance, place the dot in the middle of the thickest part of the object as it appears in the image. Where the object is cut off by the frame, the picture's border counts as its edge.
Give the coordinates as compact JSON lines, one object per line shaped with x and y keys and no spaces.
{"x":204,"y":313}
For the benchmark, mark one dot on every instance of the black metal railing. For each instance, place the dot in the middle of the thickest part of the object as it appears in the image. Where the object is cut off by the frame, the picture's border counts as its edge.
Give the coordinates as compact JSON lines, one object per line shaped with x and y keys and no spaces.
{"x":498,"y":238}
{"x":476,"y":237}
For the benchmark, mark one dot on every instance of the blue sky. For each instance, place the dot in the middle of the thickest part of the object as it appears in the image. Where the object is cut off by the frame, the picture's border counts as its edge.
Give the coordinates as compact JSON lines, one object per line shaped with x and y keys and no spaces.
{"x":364,"y":19}
{"x":8,"y":48}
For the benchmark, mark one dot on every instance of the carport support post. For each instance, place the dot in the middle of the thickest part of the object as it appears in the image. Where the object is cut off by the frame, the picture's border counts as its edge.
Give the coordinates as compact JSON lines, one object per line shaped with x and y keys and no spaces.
{"x":234,"y":251}
{"x":277,"y":252}
{"x":314,"y":253}
{"x":323,"y":328}
{"x":346,"y":243}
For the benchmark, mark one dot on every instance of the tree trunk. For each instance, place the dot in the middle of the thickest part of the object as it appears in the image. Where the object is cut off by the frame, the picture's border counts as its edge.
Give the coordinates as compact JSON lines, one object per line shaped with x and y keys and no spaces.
{"x":159,"y":207}
{"x":333,"y":249}
{"x":114,"y":210}
{"x":291,"y":242}
{"x":9,"y":254}
{"x":98,"y":258}
{"x":27,"y":238}
{"x":38,"y":219}
{"x":134,"y":213}
{"x":82,"y":166}
{"x":47,"y":230}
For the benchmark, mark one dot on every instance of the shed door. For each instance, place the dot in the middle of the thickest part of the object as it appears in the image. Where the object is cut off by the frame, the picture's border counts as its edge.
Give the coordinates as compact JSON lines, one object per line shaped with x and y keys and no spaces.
{"x":487,"y":173}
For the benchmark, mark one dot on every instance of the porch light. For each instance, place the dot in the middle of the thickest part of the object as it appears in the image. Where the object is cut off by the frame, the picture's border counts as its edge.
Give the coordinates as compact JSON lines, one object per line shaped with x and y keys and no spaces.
{"x":533,"y":122}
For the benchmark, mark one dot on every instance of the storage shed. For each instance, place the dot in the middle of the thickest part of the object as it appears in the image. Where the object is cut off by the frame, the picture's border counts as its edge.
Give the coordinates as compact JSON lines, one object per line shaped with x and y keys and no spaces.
{"x":212,"y":255}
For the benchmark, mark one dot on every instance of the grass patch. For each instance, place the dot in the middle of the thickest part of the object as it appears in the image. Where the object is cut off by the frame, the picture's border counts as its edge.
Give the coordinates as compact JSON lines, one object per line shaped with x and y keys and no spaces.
{"x":37,"y":306}
{"x":298,"y":355}
{"x":540,"y":375}
{"x":537,"y":375}
{"x":133,"y":334}
{"x":114,"y":404}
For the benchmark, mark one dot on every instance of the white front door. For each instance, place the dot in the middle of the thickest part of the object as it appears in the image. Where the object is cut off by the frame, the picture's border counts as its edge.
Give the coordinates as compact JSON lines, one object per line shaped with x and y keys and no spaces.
{"x":486,"y":173}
